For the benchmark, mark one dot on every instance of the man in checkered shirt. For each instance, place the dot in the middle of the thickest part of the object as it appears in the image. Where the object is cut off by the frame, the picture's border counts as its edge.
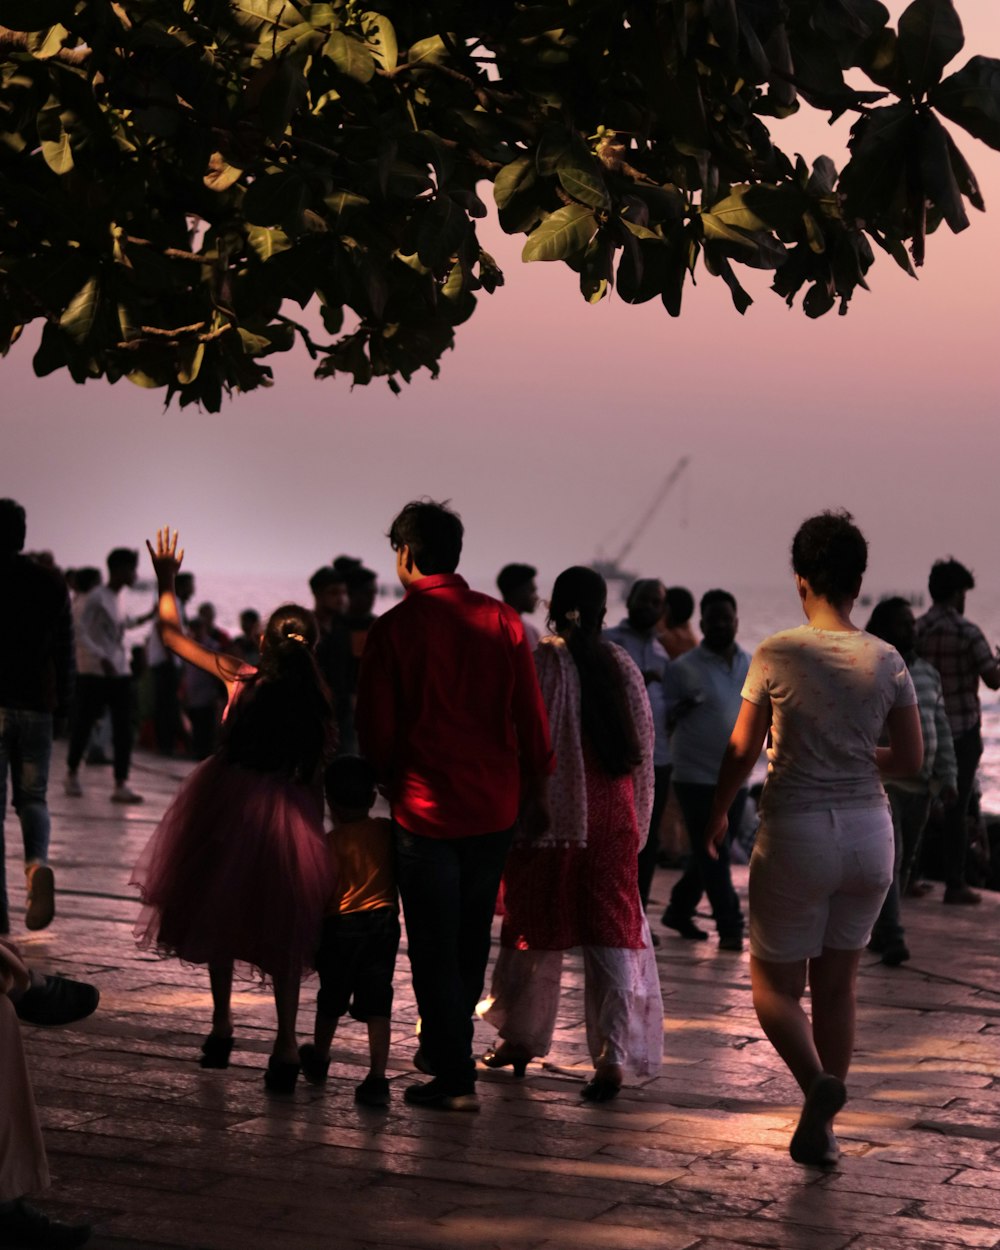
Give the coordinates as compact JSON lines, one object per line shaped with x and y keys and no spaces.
{"x":961,"y":654}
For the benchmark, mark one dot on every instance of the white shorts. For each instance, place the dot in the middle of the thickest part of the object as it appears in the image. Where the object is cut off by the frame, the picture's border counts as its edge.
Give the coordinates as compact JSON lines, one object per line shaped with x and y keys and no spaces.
{"x":818,"y":879}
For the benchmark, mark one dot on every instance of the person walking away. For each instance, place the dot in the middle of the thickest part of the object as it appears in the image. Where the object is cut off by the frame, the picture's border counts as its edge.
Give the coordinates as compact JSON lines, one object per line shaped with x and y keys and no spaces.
{"x":576,"y":884}
{"x":450,"y":714}
{"x":962,"y":656}
{"x":357,"y":950}
{"x":36,"y":675}
{"x":822,"y":860}
{"x":237,"y":871}
{"x":104,"y":676}
{"x":637,"y":636}
{"x":910,"y":798}
{"x":704,"y":691}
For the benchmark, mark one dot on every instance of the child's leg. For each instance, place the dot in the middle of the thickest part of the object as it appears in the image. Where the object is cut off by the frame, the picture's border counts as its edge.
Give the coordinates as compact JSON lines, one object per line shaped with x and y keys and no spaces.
{"x":379,"y":1029}
{"x":286,"y":1006}
{"x":220,"y":978}
{"x":323,"y":1033}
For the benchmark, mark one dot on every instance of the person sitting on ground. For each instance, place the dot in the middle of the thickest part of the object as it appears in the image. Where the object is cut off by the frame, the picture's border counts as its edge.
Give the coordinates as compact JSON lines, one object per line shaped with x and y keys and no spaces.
{"x":703,"y":689}
{"x":822,"y":862}
{"x":357,"y":951}
{"x":519,"y":590}
{"x":675,"y":632}
{"x":910,"y":798}
{"x":23,"y":1165}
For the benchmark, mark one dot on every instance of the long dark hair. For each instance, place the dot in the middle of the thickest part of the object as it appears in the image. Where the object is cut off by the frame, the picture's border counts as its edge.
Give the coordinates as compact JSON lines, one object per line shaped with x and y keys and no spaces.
{"x":576,"y":611}
{"x":282,"y":722}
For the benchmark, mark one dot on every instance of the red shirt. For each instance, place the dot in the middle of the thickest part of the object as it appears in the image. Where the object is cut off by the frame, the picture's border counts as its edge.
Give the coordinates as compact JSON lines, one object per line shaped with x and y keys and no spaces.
{"x":449,"y":710}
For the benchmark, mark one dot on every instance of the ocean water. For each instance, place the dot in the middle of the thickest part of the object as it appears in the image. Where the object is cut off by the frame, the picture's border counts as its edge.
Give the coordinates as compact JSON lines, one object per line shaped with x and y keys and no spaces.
{"x":763,"y":610}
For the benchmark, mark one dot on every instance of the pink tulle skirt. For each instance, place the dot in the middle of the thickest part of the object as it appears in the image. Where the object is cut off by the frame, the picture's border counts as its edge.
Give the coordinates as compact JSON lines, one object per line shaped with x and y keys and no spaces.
{"x":237,"y":870}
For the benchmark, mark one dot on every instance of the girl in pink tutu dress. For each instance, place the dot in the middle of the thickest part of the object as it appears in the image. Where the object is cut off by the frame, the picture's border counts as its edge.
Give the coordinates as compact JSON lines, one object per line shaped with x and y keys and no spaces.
{"x":237,"y":871}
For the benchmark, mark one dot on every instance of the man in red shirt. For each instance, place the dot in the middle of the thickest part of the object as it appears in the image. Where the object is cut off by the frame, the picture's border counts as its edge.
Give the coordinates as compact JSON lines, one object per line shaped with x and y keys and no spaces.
{"x":450,"y":714}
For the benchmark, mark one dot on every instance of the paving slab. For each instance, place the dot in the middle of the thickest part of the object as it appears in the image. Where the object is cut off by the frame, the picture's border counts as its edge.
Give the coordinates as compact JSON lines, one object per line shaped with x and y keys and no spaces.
{"x":160,"y":1154}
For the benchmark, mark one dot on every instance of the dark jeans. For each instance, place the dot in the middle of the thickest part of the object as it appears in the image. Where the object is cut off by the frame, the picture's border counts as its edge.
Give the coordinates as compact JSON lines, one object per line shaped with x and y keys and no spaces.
{"x":448,"y":888}
{"x":93,"y":695}
{"x":703,"y":874}
{"x":167,"y":724}
{"x":648,"y":854}
{"x":25,"y":751}
{"x":968,"y":749}
{"x":909,"y":815}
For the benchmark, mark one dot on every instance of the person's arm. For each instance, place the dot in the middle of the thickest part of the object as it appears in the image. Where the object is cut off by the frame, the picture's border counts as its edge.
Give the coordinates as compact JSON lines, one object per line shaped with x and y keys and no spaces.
{"x":166,"y":561}
{"x":531,"y":722}
{"x":904,"y":756}
{"x":742,"y":753}
{"x":987,"y":662}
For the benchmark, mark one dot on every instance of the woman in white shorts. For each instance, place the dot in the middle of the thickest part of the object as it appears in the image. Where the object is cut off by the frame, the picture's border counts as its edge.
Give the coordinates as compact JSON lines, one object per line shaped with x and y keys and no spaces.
{"x":822,"y":863}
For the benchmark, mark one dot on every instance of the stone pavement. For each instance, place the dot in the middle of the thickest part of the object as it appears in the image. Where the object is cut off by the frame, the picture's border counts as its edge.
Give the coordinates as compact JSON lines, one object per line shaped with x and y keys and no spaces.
{"x":159,"y":1153}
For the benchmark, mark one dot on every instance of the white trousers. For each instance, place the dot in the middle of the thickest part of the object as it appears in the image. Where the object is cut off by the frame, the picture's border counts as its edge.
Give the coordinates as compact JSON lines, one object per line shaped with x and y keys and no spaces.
{"x":23,"y":1166}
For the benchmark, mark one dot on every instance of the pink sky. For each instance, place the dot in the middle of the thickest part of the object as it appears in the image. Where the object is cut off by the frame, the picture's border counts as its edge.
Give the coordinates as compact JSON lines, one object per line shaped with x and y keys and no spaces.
{"x":553,"y":423}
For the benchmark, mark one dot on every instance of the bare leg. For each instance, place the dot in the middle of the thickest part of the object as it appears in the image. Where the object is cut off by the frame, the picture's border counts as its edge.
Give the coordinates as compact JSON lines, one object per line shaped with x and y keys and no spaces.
{"x":379,"y":1032}
{"x":220,"y":978}
{"x":286,"y":1006}
{"x":832,"y":980}
{"x":777,"y":999}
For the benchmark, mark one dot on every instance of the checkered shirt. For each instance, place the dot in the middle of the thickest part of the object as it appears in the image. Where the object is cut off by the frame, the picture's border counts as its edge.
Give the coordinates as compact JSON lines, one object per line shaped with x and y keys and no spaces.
{"x":961,"y":654}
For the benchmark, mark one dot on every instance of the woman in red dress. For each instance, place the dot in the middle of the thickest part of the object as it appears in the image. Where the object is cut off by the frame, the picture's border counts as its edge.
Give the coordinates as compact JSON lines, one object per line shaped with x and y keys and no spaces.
{"x":576,"y":885}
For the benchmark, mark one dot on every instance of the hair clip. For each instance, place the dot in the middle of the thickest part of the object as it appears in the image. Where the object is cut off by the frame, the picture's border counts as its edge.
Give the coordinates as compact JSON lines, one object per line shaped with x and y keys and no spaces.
{"x":296,"y":637}
{"x":573,"y":616}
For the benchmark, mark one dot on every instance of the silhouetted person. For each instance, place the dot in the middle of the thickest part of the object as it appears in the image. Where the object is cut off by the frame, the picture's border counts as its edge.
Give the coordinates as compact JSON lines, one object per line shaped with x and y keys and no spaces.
{"x":104,"y":677}
{"x":518,"y":589}
{"x":36,"y":673}
{"x":675,"y":632}
{"x":637,"y":634}
{"x":962,"y":656}
{"x":333,"y":651}
{"x":164,"y":668}
{"x":246,"y":644}
{"x":704,"y":688}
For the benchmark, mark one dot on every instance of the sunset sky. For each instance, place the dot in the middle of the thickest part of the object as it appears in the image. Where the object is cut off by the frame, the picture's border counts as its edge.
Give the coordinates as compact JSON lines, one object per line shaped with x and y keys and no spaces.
{"x":554,"y":422}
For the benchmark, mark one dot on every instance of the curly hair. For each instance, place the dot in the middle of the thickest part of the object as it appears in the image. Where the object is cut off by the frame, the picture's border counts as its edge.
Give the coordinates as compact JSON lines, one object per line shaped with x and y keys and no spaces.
{"x":831,"y":553}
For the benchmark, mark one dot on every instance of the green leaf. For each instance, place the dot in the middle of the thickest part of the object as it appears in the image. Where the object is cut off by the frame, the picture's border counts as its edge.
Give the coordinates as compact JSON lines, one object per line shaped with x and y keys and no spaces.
{"x":582,"y":180}
{"x":350,"y":56}
{"x":255,"y":14}
{"x":971,"y":97}
{"x":381,"y":32}
{"x":518,"y":176}
{"x":266,"y":243}
{"x":442,"y":232}
{"x":432,"y":50}
{"x":34,"y":14}
{"x":44,"y":44}
{"x":56,"y":148}
{"x":221,"y":175}
{"x":561,"y":234}
{"x":78,"y":317}
{"x":733,"y":211}
{"x":341,"y":202}
{"x":930,"y":34}
{"x":190,"y":354}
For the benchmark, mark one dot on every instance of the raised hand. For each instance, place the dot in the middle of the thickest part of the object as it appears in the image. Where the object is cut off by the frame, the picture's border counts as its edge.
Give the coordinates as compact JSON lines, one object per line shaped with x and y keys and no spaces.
{"x":166,"y":558}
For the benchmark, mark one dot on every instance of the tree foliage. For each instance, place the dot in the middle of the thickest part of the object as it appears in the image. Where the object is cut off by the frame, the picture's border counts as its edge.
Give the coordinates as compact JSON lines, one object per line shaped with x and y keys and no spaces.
{"x":176,"y":174}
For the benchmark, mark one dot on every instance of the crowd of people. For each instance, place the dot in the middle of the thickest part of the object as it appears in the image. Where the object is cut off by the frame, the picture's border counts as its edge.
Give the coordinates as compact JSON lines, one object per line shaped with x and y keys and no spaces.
{"x":524,"y":775}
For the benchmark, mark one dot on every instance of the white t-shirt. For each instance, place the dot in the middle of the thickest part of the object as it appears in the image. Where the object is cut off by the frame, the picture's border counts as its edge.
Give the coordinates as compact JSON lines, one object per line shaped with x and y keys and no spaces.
{"x":830,"y":693}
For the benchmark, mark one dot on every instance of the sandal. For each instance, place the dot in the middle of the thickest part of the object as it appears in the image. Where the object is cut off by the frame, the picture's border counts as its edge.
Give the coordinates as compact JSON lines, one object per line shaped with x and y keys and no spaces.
{"x":281,"y":1076}
{"x":314,"y":1068}
{"x":215,"y":1051}
{"x":507,"y":1056}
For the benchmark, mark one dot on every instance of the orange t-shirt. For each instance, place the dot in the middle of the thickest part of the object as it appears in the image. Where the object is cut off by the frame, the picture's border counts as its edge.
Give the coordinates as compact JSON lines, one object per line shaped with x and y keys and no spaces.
{"x":361,"y":857}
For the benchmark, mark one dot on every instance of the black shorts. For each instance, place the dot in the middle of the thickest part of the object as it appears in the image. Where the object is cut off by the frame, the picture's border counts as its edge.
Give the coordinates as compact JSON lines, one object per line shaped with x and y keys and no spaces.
{"x":355,"y":962}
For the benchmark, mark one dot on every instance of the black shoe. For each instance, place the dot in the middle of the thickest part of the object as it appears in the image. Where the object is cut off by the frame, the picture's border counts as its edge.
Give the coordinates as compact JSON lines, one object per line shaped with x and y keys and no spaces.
{"x":26,"y":1226}
{"x":215,"y":1051}
{"x":877,"y":943}
{"x":895,"y":953}
{"x":420,"y":1062}
{"x":432,"y":1094}
{"x":281,"y":1076}
{"x":731,"y":942}
{"x":655,"y":939}
{"x":598,"y":1089}
{"x":58,"y":1001}
{"x":683,"y":925}
{"x":963,"y":895}
{"x":314,"y":1068}
{"x":373,"y":1092}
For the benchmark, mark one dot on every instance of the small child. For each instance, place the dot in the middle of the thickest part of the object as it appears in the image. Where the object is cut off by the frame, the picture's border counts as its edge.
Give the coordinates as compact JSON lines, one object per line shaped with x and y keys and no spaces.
{"x":357,"y":952}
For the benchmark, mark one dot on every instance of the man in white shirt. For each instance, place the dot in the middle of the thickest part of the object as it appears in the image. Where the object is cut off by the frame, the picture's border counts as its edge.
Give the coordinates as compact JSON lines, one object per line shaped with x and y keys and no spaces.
{"x":104,"y":677}
{"x":704,"y":689}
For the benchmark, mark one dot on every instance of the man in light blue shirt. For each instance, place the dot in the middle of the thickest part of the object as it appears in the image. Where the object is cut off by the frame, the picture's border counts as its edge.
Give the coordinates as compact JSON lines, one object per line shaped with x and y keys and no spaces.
{"x":637,"y":635}
{"x":704,"y":691}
